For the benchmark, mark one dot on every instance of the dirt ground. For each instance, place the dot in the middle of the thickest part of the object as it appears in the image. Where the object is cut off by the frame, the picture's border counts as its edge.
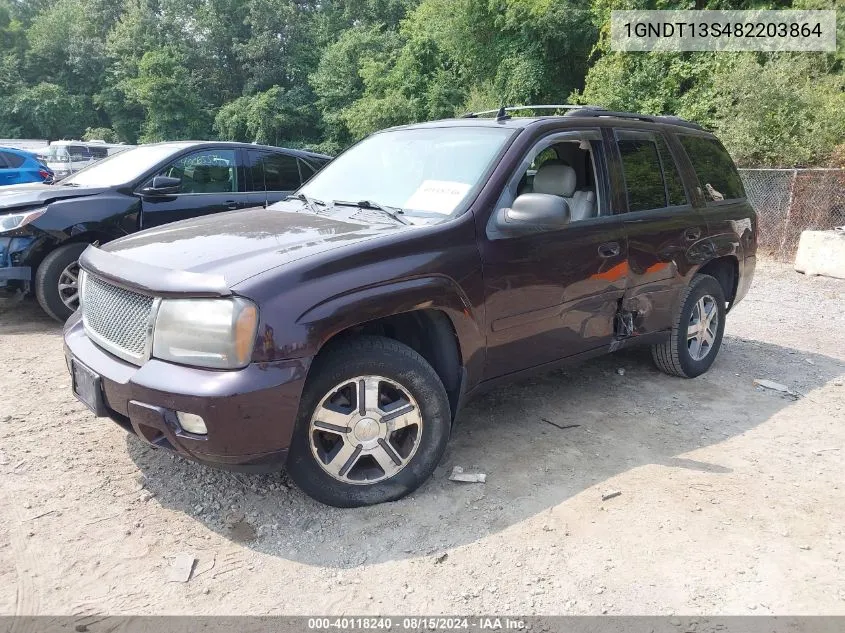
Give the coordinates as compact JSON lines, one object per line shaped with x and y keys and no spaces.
{"x":731,"y":496}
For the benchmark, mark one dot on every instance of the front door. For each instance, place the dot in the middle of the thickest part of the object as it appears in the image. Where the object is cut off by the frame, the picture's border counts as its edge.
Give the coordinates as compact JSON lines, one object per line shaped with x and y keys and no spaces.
{"x":554,"y":294}
{"x":211,"y":183}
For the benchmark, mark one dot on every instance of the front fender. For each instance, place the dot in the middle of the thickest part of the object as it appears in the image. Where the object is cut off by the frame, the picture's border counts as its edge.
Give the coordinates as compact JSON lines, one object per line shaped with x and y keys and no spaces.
{"x":317,"y":325}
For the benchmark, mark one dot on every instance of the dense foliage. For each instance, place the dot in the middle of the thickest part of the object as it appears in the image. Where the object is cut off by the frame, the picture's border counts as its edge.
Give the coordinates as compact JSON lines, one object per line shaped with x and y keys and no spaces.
{"x":323,"y":73}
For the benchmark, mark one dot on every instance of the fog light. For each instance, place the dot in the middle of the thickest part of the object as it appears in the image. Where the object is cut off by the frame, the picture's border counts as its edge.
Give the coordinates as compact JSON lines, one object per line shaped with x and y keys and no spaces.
{"x":191,"y":423}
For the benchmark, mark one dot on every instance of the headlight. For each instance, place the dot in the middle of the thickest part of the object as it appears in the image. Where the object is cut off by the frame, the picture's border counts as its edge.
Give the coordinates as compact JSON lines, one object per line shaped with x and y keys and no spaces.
{"x":215,"y":333}
{"x":17,"y":220}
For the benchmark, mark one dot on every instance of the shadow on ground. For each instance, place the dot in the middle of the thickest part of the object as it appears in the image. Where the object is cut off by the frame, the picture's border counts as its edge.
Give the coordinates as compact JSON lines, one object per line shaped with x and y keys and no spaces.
{"x":25,"y":316}
{"x":623,"y":422}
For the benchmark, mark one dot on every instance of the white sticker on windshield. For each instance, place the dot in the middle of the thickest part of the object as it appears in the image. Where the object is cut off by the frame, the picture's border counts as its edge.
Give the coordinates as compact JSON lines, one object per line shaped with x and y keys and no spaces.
{"x":439,"y":196}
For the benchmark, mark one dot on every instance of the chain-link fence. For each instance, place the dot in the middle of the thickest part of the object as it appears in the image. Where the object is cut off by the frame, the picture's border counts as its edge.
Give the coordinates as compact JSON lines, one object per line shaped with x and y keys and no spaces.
{"x":789,"y":201}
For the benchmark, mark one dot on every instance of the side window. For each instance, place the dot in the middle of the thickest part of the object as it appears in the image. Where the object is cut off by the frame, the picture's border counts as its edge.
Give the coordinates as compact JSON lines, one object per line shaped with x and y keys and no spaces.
{"x":98,"y":153}
{"x":4,"y":162}
{"x":274,"y":172}
{"x":14,"y":160}
{"x":568,"y":165}
{"x":714,"y":167}
{"x":675,"y":193}
{"x":651,"y":176}
{"x":206,"y":171}
{"x":78,"y":152}
{"x":306,"y":170}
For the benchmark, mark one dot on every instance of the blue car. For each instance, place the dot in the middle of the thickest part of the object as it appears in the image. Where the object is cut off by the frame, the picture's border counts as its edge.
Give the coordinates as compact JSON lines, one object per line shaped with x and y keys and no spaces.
{"x":19,"y":167}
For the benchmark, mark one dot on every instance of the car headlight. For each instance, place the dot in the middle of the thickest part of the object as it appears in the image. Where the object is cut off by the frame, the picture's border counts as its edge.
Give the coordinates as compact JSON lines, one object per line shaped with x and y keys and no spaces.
{"x":14,"y":221}
{"x":214,"y":333}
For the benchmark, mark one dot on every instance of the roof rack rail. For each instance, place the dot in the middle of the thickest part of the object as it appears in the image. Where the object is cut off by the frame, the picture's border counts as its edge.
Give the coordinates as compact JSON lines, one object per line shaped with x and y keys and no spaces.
{"x":590,"y":111}
{"x":500,"y":112}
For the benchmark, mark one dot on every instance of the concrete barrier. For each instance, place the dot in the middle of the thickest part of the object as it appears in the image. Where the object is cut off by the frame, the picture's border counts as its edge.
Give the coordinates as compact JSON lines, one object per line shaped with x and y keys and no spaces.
{"x":821,"y":253}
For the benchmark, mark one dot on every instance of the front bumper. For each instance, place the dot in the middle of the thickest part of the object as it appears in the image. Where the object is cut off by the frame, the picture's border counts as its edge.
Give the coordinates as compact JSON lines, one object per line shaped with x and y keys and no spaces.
{"x":14,"y":278}
{"x":249,"y":413}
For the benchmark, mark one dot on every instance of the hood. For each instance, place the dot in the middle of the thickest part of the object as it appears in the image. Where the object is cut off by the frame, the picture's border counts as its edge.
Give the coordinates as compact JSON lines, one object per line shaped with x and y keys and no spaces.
{"x":237,"y":245}
{"x":37,"y":194}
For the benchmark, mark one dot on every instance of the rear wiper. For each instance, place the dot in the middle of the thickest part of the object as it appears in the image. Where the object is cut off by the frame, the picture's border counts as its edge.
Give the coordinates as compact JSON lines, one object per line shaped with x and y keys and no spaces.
{"x":311,"y":203}
{"x":375,"y":206}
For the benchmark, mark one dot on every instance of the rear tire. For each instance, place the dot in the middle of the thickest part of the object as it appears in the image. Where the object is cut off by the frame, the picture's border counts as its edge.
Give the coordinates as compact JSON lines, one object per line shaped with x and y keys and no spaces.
{"x":55,"y":281}
{"x":697,"y":331}
{"x":352,"y":444}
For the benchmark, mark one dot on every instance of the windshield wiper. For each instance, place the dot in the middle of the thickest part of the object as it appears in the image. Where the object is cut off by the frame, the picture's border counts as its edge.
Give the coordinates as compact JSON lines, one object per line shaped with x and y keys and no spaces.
{"x":311,"y":203}
{"x":375,"y":206}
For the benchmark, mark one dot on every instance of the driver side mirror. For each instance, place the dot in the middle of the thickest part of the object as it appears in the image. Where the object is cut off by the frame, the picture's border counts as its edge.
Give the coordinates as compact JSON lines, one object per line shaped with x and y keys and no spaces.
{"x":533,"y":212}
{"x":163,"y":186}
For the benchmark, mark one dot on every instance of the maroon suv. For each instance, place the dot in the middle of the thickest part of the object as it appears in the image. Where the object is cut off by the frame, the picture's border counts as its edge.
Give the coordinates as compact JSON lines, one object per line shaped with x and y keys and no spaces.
{"x":338,"y":333}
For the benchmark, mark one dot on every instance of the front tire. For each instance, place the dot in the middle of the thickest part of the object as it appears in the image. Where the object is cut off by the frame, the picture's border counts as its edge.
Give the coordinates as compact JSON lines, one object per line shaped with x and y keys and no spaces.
{"x":373,"y":423}
{"x":57,"y":281}
{"x":697,"y":331}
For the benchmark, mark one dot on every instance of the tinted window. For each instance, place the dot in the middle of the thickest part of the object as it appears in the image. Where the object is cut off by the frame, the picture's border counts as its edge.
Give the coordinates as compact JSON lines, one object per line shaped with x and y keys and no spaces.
{"x":713,"y":166}
{"x":643,"y":174}
{"x":7,"y":159}
{"x":78,"y":152}
{"x":208,"y":171}
{"x":306,"y":170}
{"x":651,"y":176}
{"x":674,"y":185}
{"x":98,"y":152}
{"x":274,"y":172}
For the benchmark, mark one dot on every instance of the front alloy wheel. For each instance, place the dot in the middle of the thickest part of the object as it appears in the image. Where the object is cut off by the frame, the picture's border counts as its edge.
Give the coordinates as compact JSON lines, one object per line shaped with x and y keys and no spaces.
{"x":372,"y":426}
{"x":365,"y":430}
{"x":68,"y":286}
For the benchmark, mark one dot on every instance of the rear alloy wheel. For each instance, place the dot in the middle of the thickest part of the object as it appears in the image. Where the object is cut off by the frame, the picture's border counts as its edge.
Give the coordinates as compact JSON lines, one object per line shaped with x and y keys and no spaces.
{"x":702,"y":327}
{"x":373,"y":423}
{"x":57,"y":281}
{"x":697,"y":332}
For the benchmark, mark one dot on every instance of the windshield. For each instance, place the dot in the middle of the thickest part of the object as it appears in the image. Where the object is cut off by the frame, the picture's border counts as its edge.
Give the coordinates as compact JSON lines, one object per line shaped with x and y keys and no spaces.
{"x":122,"y":167}
{"x":430,"y":171}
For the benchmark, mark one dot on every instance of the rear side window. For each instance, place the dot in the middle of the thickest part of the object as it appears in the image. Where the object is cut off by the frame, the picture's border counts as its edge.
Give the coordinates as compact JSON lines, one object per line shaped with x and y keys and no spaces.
{"x":715,"y":170}
{"x":7,"y":159}
{"x":274,"y":172}
{"x":651,"y":177}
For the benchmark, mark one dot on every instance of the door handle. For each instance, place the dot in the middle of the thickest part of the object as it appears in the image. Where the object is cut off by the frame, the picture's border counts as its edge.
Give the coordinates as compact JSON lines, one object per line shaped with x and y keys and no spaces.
{"x":692,"y":234}
{"x":231,"y":205}
{"x":610,"y":249}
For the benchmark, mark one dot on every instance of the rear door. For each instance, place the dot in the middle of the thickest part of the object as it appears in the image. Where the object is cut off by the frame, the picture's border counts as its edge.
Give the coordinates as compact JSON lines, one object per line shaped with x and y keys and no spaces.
{"x":664,"y":230}
{"x":211,"y":182}
{"x":273,"y":176}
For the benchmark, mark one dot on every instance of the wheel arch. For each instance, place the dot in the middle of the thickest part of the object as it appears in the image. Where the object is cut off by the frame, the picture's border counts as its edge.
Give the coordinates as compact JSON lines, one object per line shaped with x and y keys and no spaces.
{"x":725,"y":270}
{"x":429,"y":315}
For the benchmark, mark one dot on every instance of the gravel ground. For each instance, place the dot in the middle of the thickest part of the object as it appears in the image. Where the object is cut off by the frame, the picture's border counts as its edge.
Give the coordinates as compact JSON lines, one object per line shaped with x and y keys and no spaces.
{"x":731,"y":496}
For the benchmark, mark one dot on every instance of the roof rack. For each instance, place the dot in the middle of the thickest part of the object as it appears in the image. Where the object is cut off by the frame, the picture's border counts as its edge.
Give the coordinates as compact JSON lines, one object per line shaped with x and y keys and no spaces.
{"x":585,"y":111}
{"x":590,"y":111}
{"x":501,"y":112}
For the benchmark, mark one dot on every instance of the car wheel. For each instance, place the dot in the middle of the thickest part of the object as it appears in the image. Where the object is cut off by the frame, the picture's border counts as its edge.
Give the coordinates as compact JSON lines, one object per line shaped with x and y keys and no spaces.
{"x":57,"y":281}
{"x":373,"y":423}
{"x":697,"y":332}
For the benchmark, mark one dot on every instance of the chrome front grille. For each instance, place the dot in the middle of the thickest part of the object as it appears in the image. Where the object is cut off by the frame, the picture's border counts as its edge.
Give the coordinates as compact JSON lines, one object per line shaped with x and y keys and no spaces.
{"x":115,"y":318}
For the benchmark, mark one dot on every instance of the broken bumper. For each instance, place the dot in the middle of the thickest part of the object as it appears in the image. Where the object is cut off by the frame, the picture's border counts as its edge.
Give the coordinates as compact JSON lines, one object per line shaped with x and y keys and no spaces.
{"x":249,"y":413}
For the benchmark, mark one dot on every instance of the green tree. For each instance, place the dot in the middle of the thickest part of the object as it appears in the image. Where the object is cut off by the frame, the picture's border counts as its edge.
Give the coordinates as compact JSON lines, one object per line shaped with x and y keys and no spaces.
{"x":172,"y":104}
{"x":49,"y":111}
